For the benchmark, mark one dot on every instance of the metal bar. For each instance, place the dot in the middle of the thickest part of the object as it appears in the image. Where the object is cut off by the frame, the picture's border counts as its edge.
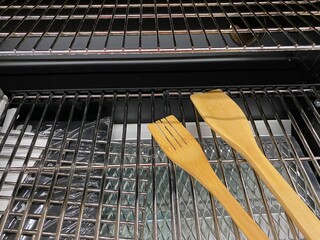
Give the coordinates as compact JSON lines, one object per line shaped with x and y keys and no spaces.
{"x":290,"y":13}
{"x":160,"y":32}
{"x":185,"y":19}
{"x":110,"y":5}
{"x":156,"y":23}
{"x":95,"y":24}
{"x":105,"y":168}
{"x":126,"y":26}
{"x":193,"y":193}
{"x":215,"y":217}
{"x":111,"y":24}
{"x":140,"y":24}
{"x":163,"y":50}
{"x":159,"y":164}
{"x":286,"y":31}
{"x":80,"y":25}
{"x":172,"y":26}
{"x":93,"y":220}
{"x":137,"y":177}
{"x":154,"y":180}
{"x":123,"y":144}
{"x":175,"y":217}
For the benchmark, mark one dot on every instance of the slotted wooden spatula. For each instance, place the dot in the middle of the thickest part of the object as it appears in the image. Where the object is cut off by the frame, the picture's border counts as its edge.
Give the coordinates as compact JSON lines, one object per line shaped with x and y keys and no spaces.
{"x":225,"y":117}
{"x":181,"y":147}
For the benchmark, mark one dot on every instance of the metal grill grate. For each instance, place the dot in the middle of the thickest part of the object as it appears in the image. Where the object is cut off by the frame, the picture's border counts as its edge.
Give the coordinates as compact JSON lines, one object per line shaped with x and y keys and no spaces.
{"x":119,"y":26}
{"x":84,"y":166}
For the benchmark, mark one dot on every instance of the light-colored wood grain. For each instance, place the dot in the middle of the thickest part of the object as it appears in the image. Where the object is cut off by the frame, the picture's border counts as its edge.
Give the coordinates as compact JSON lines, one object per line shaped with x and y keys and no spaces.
{"x":181,"y":147}
{"x":225,"y":117}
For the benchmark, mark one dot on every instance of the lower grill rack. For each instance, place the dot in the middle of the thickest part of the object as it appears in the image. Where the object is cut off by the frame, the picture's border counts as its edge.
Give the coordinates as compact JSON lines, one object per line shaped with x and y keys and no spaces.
{"x":85,"y":166}
{"x":31,"y":27}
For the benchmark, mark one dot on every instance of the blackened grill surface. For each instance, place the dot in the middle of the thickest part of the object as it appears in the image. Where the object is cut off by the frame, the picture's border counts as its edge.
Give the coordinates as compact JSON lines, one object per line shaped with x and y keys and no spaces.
{"x":99,"y":174}
{"x":32,"y":27}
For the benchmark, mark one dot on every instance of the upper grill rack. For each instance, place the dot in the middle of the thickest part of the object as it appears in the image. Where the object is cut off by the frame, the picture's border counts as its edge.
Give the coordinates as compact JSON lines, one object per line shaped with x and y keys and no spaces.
{"x":120,"y":26}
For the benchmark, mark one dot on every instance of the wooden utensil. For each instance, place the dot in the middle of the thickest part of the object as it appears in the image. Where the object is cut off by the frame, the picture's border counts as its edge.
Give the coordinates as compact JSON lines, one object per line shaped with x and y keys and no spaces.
{"x":181,"y":147}
{"x":224,"y":116}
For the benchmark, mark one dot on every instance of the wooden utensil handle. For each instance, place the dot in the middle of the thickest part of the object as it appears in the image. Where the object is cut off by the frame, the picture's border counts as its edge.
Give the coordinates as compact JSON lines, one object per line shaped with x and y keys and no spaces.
{"x":213,"y":184}
{"x":297,"y":210}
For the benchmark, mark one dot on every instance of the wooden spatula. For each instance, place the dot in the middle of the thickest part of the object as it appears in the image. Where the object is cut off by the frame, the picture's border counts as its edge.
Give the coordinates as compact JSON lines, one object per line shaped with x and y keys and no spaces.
{"x":224,"y":116}
{"x":181,"y":147}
